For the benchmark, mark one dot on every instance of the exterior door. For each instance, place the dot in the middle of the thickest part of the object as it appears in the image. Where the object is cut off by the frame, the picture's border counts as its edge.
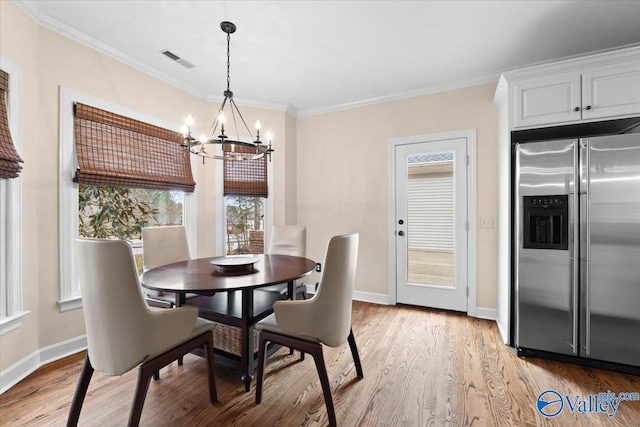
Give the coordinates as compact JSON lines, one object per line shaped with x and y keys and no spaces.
{"x":431,"y":224}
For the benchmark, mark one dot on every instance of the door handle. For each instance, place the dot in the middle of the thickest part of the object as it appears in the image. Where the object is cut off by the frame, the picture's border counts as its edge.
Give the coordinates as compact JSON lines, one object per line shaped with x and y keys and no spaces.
{"x":400,"y":233}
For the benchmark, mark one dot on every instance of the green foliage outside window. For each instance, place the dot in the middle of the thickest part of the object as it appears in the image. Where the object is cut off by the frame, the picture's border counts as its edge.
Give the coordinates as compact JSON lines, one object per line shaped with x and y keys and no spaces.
{"x":121,"y":213}
{"x":113,"y":212}
{"x":244,"y":214}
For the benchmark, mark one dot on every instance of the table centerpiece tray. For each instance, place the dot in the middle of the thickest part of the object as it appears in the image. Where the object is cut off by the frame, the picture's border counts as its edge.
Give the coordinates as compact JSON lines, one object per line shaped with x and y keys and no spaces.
{"x":235,"y":264}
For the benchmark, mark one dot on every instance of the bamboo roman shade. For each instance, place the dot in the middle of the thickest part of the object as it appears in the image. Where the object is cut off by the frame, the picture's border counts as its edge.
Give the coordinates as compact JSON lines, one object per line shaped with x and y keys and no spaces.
{"x":122,"y":152}
{"x":9,"y":159}
{"x":245,"y":177}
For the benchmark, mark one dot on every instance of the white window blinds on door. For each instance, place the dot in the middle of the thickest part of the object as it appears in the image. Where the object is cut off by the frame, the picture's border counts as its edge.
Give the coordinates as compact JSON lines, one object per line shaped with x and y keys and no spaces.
{"x":430,"y":189}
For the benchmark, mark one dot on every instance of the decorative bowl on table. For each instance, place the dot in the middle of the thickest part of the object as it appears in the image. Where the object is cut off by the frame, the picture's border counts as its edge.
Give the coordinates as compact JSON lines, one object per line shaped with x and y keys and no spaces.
{"x":235,"y":263}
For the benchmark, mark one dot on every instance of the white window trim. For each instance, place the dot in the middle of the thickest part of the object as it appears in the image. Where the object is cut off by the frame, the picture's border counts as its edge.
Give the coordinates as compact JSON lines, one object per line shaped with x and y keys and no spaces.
{"x":221,"y":208}
{"x":69,"y":190}
{"x":15,"y":313}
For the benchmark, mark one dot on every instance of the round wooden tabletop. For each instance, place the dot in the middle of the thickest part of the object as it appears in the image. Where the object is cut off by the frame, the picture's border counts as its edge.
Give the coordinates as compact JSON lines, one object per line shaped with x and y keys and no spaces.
{"x":199,"y":275}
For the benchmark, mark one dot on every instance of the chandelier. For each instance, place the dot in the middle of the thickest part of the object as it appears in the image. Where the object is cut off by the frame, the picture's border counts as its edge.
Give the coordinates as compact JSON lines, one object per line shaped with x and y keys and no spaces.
{"x":232,"y":148}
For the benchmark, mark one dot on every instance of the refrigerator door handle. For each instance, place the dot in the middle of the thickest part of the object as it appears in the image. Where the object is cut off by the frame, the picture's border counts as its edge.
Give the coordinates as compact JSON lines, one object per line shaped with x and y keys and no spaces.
{"x":574,"y":244}
{"x":586,"y":242}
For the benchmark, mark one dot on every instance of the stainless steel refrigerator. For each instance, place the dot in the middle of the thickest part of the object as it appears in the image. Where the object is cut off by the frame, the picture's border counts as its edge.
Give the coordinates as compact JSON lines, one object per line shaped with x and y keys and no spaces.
{"x":577,"y":247}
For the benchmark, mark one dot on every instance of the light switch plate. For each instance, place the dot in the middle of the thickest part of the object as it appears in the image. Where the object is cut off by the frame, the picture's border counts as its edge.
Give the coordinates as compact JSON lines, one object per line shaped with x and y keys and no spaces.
{"x":486,"y":222}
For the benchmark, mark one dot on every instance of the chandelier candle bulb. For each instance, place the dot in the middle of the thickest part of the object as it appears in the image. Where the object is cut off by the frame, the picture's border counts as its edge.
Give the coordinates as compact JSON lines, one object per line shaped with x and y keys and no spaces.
{"x":258,"y":132}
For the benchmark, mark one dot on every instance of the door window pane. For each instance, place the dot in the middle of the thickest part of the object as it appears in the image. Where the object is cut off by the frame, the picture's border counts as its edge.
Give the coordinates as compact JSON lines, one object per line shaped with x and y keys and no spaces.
{"x":430,"y":219}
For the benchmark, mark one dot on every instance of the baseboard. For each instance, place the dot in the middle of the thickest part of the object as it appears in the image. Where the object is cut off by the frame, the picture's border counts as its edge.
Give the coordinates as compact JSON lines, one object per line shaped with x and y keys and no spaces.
{"x":371,"y":297}
{"x":359,"y":296}
{"x":20,"y":370}
{"x":487,"y":313}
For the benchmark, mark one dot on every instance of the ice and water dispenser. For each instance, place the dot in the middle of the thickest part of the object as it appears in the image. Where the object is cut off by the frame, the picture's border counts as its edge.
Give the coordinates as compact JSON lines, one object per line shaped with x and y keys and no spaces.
{"x":546,"y":222}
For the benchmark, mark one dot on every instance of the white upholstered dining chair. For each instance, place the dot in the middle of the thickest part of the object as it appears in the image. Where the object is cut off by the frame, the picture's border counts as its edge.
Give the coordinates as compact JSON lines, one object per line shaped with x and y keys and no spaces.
{"x":288,"y":240}
{"x":123,"y":332}
{"x":306,"y":325}
{"x":160,"y":246}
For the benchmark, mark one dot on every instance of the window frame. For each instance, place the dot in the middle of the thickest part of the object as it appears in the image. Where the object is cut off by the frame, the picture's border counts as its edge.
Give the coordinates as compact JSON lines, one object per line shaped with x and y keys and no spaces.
{"x":221,"y":206}
{"x":70,"y":298}
{"x":13,"y":214}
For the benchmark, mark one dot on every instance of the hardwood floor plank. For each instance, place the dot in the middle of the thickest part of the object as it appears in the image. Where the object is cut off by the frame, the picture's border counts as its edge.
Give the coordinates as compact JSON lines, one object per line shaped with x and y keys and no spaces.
{"x":422,"y":367}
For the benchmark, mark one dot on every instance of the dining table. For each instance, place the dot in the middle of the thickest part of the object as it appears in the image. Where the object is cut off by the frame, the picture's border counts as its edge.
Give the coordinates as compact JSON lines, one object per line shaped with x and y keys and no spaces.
{"x":226,"y":290}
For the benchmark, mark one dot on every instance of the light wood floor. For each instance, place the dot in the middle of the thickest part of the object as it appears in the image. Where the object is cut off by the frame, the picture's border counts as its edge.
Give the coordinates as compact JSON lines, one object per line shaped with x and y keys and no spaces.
{"x":421,"y":368}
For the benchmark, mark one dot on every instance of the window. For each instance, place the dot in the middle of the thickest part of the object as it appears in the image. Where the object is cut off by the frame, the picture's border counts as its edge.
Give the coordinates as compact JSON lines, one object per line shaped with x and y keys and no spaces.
{"x":245,"y":225}
{"x":82,"y":204}
{"x":245,"y":212}
{"x":245,"y":191}
{"x":11,"y":311}
{"x":121,"y":212}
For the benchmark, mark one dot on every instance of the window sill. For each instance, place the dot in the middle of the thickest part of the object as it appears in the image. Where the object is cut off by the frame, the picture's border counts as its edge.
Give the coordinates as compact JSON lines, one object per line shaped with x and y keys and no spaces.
{"x":70,"y":304}
{"x":11,"y":323}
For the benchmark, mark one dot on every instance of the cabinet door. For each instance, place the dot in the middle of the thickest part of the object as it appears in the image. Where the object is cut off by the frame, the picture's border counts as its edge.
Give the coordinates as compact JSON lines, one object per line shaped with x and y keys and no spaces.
{"x":547,"y":100}
{"x":611,"y":91}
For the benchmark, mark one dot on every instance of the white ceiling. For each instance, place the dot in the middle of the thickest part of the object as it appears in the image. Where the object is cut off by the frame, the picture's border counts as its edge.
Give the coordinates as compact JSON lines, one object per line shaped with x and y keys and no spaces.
{"x":320,"y":55}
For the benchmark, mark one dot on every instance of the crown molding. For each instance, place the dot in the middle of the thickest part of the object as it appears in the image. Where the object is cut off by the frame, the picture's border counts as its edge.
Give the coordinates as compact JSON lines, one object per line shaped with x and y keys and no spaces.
{"x":574,"y":63}
{"x":31,"y":8}
{"x":423,"y":90}
{"x":565,"y":64}
{"x":607,"y":56}
{"x":284,"y":107}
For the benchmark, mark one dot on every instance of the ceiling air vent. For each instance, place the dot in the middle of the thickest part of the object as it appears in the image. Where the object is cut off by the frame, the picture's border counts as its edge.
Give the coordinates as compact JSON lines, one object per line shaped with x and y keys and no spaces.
{"x":176,"y":58}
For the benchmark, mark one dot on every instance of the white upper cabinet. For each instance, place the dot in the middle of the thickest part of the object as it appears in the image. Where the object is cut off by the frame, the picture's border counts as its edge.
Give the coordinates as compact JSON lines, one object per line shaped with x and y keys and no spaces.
{"x":608,"y":92}
{"x":545,"y":100}
{"x":592,"y":93}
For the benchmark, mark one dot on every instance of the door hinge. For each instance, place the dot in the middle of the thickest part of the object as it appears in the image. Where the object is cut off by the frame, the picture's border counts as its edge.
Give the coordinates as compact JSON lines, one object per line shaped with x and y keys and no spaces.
{"x":467,"y":160}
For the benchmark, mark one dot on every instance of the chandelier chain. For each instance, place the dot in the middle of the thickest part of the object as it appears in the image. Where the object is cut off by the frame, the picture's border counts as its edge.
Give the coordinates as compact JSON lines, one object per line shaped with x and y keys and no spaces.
{"x":228,"y":61}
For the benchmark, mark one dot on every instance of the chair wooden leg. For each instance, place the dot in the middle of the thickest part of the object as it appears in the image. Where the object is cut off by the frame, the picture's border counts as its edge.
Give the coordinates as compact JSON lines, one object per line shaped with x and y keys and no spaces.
{"x":354,"y":353}
{"x":261,"y":361}
{"x":324,"y":381}
{"x":150,"y":367}
{"x":314,"y":349}
{"x":144,"y":378}
{"x":156,"y":375}
{"x":211,"y":377}
{"x":81,"y":392}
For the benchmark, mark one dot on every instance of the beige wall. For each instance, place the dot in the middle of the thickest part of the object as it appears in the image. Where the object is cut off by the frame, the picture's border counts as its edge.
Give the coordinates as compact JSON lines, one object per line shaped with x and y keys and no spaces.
{"x":343,"y":176}
{"x":291,"y":169}
{"x":50,"y":61}
{"x":16,"y":26}
{"x":331,"y":170}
